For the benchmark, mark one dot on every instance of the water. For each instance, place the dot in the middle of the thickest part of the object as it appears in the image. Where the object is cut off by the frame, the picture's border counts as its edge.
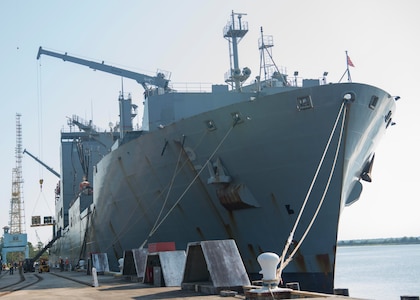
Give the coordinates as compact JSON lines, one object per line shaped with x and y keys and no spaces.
{"x":383,"y":272}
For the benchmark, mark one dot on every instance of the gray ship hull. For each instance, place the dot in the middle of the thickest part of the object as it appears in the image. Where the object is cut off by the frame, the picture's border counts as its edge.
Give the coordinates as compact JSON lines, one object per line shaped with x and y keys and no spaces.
{"x":240,"y":171}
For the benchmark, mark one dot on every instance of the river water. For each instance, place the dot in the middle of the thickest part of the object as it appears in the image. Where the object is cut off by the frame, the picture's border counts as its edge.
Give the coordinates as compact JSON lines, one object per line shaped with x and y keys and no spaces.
{"x":383,"y":272}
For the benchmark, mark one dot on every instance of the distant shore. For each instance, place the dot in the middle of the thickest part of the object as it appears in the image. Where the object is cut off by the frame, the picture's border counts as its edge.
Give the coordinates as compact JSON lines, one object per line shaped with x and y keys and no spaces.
{"x":380,"y":241}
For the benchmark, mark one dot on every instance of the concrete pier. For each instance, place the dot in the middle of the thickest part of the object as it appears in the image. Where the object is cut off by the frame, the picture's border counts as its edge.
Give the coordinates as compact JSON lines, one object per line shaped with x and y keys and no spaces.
{"x":78,"y":285}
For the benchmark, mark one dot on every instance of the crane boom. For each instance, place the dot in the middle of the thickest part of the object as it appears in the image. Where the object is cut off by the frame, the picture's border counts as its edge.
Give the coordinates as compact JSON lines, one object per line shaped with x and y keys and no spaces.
{"x":145,"y":80}
{"x":42,"y":163}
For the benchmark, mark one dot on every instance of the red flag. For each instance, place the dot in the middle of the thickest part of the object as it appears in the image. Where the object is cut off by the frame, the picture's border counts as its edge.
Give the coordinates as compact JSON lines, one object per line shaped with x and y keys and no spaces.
{"x":349,"y":62}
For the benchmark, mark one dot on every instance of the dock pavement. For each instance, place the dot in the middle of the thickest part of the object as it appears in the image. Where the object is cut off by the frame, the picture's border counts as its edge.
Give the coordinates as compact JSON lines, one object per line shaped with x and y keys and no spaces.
{"x":80,"y":286}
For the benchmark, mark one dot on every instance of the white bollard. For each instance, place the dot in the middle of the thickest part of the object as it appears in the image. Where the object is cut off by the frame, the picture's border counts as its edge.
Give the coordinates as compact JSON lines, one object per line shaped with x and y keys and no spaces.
{"x":268,"y":262}
{"x":121,"y":264}
{"x":95,"y":282}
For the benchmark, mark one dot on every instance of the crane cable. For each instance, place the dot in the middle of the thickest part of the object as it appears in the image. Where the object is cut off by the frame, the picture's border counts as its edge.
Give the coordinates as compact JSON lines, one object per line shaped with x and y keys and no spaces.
{"x":40,"y":132}
{"x":40,"y":136}
{"x":46,"y":202}
{"x":284,"y":262}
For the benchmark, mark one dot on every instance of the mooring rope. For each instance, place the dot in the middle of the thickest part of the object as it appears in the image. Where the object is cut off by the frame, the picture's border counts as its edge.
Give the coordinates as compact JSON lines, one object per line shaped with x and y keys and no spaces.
{"x":169,"y":187}
{"x":283,"y":262}
{"x":155,"y":228}
{"x":128,"y":224}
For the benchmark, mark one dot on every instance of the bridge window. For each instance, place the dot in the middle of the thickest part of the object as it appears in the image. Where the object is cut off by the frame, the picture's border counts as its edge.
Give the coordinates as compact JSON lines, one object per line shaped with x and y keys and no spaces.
{"x":373,"y":102}
{"x":304,"y":102}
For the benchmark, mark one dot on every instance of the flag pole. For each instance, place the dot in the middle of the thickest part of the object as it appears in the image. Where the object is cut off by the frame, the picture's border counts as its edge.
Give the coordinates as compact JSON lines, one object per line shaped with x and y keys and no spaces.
{"x":348,"y":70}
{"x":349,"y":63}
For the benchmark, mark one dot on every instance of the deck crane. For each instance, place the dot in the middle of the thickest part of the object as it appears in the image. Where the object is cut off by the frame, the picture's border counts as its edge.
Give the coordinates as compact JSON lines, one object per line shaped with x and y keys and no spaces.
{"x":159,"y":80}
{"x":42,"y":163}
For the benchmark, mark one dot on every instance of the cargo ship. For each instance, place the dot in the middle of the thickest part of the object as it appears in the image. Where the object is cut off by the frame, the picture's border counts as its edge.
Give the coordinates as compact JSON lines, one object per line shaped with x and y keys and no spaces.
{"x":269,"y":161}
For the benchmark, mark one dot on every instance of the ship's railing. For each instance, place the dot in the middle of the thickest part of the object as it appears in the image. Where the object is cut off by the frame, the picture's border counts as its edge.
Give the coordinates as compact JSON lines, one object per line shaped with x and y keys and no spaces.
{"x":295,"y":81}
{"x":191,"y":87}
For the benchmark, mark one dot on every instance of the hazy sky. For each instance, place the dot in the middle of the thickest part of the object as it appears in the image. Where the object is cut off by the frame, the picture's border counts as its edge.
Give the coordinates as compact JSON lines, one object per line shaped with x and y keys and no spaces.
{"x":185,"y":38}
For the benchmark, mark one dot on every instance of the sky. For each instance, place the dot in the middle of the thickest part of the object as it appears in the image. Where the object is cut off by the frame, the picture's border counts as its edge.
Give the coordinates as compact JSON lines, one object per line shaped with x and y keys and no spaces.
{"x":185,"y":38}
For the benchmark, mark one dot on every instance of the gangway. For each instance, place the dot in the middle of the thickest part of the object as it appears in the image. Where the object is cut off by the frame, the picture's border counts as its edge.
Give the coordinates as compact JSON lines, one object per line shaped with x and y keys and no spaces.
{"x":46,"y":247}
{"x":28,"y":264}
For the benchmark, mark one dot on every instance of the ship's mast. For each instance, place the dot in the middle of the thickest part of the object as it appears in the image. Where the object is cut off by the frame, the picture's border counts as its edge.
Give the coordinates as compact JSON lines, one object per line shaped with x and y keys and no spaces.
{"x":267,"y":64}
{"x":234,"y":32}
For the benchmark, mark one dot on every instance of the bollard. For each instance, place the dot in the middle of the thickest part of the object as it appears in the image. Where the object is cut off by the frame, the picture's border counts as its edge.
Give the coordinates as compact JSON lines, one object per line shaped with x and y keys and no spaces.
{"x":95,"y":282}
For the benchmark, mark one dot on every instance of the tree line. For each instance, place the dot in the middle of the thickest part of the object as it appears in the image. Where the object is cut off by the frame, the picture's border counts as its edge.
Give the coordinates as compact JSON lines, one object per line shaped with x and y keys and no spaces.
{"x":380,"y":241}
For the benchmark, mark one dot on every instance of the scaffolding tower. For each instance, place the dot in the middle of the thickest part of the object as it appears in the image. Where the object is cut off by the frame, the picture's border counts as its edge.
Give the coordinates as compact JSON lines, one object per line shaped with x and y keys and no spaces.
{"x":17,"y":209}
{"x":14,"y":237}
